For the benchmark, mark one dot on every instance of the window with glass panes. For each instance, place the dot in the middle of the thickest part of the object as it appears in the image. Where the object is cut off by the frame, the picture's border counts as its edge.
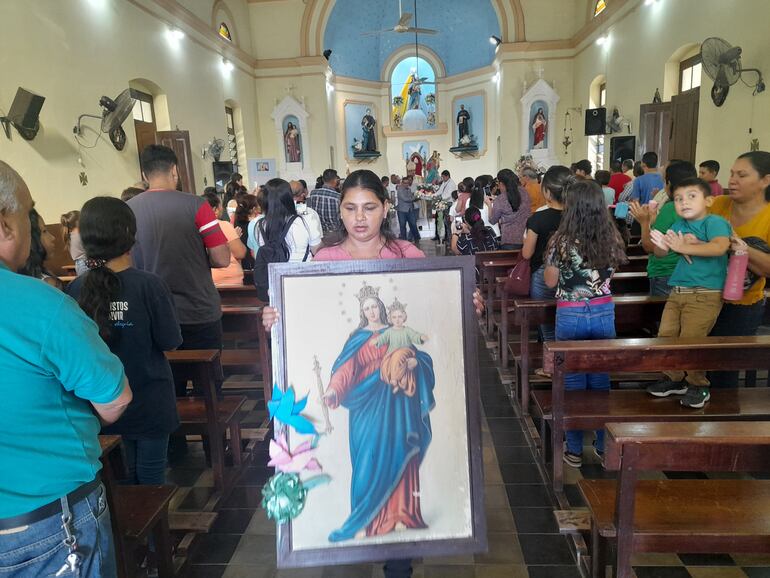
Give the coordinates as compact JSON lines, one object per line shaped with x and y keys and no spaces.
{"x":689,"y":73}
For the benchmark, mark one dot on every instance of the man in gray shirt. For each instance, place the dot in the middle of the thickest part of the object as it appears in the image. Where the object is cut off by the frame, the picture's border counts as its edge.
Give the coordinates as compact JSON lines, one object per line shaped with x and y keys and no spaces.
{"x":406,"y":212}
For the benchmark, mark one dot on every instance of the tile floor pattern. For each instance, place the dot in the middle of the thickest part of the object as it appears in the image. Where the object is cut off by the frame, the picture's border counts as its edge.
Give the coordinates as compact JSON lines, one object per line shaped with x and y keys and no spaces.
{"x":523,"y":536}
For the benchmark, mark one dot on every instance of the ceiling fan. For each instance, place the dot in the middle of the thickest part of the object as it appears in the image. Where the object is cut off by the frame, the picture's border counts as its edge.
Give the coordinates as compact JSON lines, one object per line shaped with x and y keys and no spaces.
{"x":402,"y":26}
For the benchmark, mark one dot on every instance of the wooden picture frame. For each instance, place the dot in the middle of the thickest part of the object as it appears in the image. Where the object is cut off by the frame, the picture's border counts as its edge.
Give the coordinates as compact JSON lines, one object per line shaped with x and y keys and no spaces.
{"x":322,"y":307}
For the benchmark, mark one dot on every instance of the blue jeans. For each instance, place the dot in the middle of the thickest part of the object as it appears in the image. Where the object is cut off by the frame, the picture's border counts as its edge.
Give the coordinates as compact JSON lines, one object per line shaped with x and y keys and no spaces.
{"x":585,"y":322}
{"x":659,"y":286}
{"x":146,"y":460}
{"x":737,"y":320}
{"x":38,"y":549}
{"x":410,"y":218}
{"x":539,"y":290}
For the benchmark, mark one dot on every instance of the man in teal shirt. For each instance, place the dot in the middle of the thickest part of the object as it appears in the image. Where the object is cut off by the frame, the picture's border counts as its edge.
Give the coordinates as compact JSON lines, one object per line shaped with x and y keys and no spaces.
{"x":659,"y":269}
{"x":58,"y":376}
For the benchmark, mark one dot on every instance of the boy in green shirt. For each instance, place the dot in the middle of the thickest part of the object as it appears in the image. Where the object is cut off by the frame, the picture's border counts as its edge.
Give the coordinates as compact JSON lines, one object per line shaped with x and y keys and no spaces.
{"x":702,"y":242}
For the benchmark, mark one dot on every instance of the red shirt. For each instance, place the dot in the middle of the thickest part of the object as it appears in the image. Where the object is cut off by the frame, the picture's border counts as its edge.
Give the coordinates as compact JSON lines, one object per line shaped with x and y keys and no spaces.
{"x":618,"y":182}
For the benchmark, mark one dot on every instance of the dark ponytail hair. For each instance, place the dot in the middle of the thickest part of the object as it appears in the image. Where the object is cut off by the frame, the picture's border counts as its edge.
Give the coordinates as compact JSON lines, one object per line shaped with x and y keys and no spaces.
{"x":369,"y":181}
{"x":511,"y":182}
{"x":107,"y":231}
{"x":557,"y":180}
{"x":472,"y":216}
{"x":586,"y":225}
{"x":35,"y":267}
{"x":278,"y":207}
{"x":760,"y":160}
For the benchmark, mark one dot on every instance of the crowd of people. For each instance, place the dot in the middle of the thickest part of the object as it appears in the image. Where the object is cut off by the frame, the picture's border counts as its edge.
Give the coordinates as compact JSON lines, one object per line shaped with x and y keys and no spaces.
{"x":89,"y":357}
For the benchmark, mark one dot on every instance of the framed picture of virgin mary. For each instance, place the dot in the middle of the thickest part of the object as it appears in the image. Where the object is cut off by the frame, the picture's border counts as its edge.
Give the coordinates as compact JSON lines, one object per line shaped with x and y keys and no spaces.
{"x":385,"y":352}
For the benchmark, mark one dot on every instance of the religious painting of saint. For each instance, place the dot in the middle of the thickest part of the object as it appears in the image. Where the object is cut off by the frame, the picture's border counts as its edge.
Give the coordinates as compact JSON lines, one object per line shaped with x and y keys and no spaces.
{"x":391,"y":379}
{"x":292,"y":141}
{"x":538,"y":138}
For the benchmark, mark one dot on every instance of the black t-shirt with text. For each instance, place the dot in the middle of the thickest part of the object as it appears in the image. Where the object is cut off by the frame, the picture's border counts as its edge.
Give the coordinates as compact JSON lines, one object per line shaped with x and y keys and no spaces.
{"x":144,"y":325}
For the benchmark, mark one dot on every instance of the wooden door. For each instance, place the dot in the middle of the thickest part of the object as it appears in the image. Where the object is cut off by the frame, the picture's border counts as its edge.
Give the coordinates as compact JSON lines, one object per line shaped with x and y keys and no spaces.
{"x":655,"y":130}
{"x":684,"y":129}
{"x":144,"y":120}
{"x":179,"y":142}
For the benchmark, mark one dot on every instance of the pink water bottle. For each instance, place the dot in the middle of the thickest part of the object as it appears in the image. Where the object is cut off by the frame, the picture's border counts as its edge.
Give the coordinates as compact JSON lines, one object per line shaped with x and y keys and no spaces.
{"x":736,"y":272}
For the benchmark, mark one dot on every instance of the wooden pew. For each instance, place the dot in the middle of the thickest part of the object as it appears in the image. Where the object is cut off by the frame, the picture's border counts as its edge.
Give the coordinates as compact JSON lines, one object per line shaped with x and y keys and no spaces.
{"x":239,"y":295}
{"x":632,"y":313}
{"x":693,"y":516}
{"x":244,"y":322}
{"x":635,"y":263}
{"x":624,"y":283}
{"x":136,"y":512}
{"x":209,"y":416}
{"x":591,"y":410}
{"x":490,"y":265}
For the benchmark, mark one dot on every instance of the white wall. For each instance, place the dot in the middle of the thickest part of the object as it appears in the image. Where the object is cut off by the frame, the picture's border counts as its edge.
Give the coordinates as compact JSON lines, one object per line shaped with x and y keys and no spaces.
{"x":641,"y":44}
{"x":76,"y":51}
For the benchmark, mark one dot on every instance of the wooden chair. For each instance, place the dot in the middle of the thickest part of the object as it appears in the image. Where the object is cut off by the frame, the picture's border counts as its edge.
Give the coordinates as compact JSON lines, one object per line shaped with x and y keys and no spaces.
{"x":693,"y":516}
{"x":591,"y":410}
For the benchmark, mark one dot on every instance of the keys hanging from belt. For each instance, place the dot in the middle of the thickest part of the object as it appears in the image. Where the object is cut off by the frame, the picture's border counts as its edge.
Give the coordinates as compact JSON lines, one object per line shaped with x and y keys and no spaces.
{"x":74,"y":560}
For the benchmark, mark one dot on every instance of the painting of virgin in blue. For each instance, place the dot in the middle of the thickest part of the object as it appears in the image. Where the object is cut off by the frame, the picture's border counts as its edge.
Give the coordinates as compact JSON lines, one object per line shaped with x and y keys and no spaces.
{"x":389,"y":427}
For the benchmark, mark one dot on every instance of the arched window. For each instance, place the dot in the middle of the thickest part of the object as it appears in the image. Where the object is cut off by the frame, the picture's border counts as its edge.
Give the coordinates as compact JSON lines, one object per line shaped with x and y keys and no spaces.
{"x":599,"y":7}
{"x":413,"y":86}
{"x":224,"y":32}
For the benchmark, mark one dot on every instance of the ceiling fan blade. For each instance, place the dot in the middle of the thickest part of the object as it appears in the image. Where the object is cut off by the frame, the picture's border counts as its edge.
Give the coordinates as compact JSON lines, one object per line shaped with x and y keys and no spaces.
{"x":376,"y":32}
{"x":422,"y":30}
{"x":405,"y":19}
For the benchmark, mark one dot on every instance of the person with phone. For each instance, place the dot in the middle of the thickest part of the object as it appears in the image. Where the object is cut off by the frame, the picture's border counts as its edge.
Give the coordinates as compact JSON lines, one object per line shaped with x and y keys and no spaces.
{"x":472,"y":235}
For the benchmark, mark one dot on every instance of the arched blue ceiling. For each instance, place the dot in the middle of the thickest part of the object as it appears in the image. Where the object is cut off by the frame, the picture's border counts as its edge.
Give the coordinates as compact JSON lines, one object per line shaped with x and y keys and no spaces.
{"x":462,"y":43}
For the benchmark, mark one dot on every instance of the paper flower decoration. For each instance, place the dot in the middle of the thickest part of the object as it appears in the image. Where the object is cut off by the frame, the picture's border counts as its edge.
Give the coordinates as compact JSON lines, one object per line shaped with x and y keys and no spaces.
{"x":284,"y":409}
{"x":292,"y":462}
{"x":283,"y":497}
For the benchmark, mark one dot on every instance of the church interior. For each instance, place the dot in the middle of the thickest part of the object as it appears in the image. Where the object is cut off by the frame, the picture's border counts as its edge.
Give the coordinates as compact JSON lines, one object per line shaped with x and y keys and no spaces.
{"x":290,"y":88}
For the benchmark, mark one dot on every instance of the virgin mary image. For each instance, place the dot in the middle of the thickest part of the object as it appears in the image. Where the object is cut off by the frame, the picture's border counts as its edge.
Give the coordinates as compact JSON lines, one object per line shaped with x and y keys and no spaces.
{"x":291,"y":140}
{"x":539,"y":127}
{"x":390,"y":428}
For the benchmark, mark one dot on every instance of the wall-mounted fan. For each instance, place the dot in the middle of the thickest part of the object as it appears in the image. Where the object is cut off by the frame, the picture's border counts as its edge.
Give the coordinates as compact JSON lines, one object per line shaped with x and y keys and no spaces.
{"x":722,"y":63}
{"x":114,"y":114}
{"x":404,"y":18}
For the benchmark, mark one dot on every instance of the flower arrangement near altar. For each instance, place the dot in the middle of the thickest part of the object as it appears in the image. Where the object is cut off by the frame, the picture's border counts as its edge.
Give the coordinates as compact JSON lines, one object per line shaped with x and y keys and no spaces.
{"x":441,"y":205}
{"x":527,"y":162}
{"x":430,"y":99}
{"x":425,"y":193}
{"x":397,"y":101}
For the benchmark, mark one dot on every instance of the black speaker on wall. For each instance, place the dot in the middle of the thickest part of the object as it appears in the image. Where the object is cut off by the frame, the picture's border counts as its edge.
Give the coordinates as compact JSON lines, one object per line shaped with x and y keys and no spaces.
{"x":223,"y":170}
{"x":622,"y":148}
{"x":596,"y":121}
{"x":24,"y":114}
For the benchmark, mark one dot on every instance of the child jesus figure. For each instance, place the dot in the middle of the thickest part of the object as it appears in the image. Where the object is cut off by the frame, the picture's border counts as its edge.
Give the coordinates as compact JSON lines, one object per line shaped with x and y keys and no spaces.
{"x":400,"y":360}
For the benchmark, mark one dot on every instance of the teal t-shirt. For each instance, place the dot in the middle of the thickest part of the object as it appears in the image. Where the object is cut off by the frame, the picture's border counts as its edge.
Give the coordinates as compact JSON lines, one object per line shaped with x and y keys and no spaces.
{"x":706,"y":272}
{"x":52,"y":363}
{"x":663,"y":266}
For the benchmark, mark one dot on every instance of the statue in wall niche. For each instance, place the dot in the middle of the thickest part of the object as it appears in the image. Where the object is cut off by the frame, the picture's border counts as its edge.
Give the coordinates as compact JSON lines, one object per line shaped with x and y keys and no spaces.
{"x":463,"y":124}
{"x":539,"y":129}
{"x":432,"y":167}
{"x":291,"y":144}
{"x":368,"y":124}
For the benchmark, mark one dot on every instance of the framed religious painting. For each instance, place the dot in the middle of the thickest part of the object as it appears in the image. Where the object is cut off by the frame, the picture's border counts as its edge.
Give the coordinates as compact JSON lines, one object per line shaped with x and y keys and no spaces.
{"x":377,"y":413}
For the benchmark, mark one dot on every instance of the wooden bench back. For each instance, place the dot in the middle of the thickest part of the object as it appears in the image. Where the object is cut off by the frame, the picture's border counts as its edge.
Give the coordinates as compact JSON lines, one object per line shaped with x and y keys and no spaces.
{"x":675,"y":353}
{"x":631,"y":310}
{"x":733,"y":446}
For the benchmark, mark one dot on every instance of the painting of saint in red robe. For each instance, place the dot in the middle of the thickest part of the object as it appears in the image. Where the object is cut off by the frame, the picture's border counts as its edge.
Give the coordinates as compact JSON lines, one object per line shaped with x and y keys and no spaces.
{"x":390,"y":428}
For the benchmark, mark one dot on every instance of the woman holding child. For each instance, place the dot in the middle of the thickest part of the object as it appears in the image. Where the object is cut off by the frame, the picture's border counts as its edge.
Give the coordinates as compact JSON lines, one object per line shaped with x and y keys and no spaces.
{"x":746,"y":205}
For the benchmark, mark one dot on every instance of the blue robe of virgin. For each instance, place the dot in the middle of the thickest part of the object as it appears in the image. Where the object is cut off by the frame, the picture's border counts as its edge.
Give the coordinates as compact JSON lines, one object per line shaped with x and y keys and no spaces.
{"x":387,"y":430}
